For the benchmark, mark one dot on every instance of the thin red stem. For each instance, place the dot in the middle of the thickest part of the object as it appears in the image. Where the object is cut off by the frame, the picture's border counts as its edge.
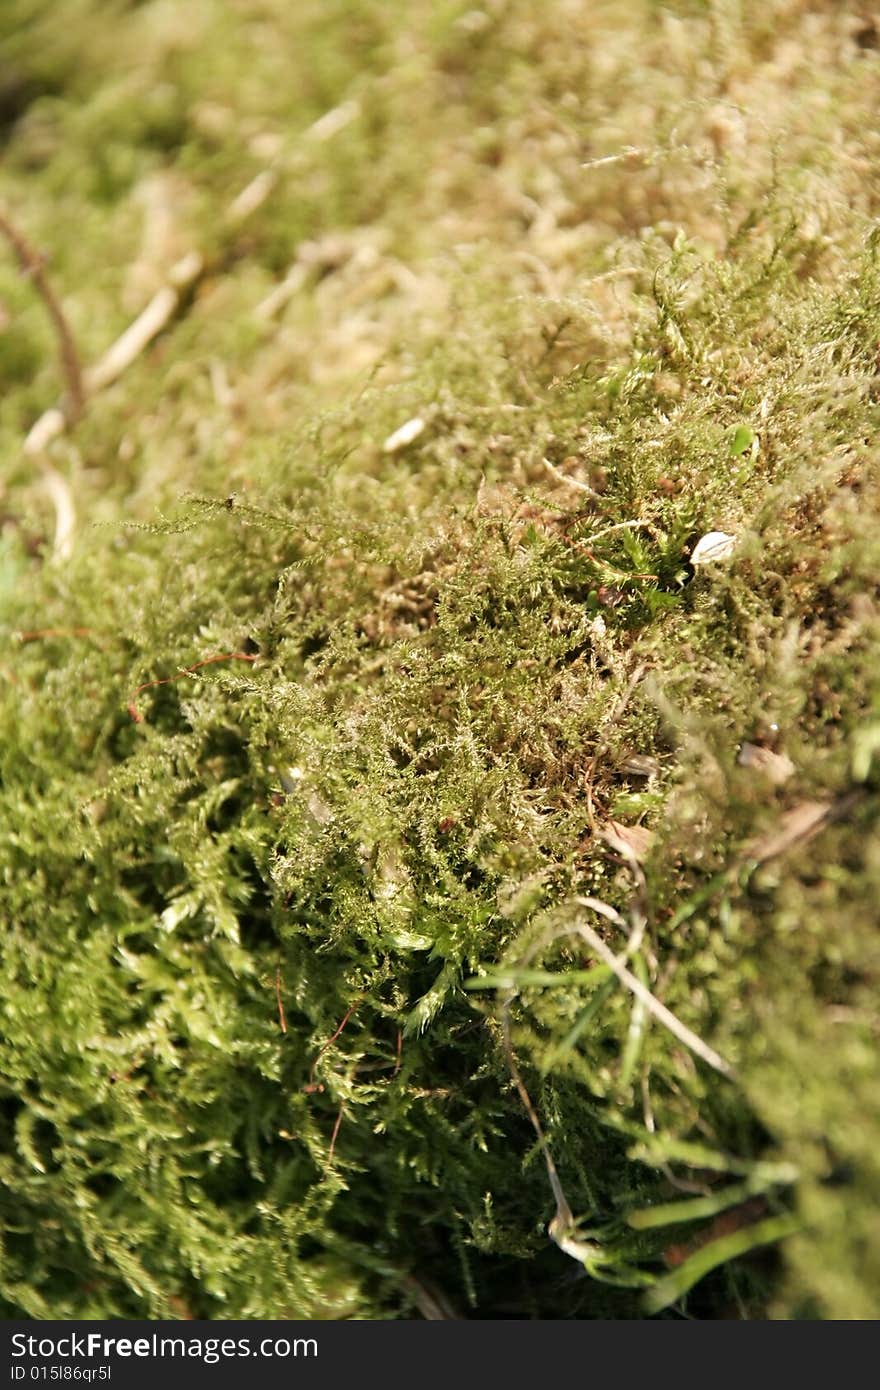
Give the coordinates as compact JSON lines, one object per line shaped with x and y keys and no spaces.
{"x":328,"y":1043}
{"x":281,"y":1019}
{"x":187,"y":671}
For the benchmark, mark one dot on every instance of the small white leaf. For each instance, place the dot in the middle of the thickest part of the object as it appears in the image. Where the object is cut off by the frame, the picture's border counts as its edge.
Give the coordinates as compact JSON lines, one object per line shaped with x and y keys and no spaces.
{"x":714,"y":546}
{"x":403,"y":436}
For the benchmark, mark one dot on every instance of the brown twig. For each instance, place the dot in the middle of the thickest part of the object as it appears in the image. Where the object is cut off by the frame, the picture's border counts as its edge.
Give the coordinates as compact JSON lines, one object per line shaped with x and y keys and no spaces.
{"x":33,"y":265}
{"x":166,"y":302}
{"x":431,"y":1302}
{"x":563,"y":1220}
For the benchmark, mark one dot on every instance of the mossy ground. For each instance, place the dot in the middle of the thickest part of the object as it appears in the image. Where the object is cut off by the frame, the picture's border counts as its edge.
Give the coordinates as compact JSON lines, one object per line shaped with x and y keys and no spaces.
{"x":636,"y":242}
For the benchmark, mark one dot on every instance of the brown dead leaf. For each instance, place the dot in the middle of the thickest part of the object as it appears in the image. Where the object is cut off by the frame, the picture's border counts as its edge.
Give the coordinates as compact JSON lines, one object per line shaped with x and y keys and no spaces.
{"x":798,"y":826}
{"x":639,"y":765}
{"x":632,"y":841}
{"x":776,"y":767}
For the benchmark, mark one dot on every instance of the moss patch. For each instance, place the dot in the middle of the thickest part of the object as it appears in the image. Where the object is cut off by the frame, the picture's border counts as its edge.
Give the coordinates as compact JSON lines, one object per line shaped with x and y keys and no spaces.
{"x":266,"y":915}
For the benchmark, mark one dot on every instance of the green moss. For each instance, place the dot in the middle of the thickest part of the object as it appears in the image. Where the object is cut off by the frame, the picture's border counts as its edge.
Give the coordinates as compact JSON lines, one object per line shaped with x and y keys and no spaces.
{"x":265,"y":914}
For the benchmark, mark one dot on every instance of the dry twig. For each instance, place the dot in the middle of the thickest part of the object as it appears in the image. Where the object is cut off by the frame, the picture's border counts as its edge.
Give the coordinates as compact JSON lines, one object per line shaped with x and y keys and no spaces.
{"x":148,"y":324}
{"x":119,"y":356}
{"x":663,"y":1015}
{"x":34,"y":266}
{"x":568,"y":482}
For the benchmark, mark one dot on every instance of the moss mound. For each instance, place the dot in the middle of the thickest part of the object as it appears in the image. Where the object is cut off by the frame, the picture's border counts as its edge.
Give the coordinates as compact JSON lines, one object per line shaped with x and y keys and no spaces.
{"x":406,"y":846}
